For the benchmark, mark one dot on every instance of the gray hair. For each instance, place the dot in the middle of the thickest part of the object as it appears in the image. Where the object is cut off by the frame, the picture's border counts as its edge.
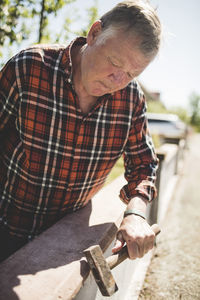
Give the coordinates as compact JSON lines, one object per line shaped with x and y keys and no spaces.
{"x":138,"y":18}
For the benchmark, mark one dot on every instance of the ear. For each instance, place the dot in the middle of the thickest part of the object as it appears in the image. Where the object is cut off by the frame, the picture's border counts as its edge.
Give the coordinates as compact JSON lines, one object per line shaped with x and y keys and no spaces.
{"x":94,"y":32}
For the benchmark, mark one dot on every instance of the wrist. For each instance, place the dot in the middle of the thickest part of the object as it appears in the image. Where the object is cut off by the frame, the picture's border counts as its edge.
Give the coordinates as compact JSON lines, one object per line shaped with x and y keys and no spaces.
{"x":138,"y":203}
{"x":135,"y":212}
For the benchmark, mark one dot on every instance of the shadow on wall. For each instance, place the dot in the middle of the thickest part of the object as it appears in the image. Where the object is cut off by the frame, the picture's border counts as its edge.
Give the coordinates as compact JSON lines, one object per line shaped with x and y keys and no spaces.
{"x":60,"y":246}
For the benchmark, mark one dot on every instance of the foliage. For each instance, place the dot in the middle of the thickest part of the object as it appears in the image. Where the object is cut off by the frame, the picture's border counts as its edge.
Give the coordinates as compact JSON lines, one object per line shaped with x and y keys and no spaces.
{"x":195,"y":110}
{"x":47,"y":8}
{"x":92,"y":17}
{"x":10,"y":13}
{"x":15,"y":13}
{"x":32,"y":21}
{"x":182,"y":113}
{"x":156,"y":107}
{"x":157,"y":140}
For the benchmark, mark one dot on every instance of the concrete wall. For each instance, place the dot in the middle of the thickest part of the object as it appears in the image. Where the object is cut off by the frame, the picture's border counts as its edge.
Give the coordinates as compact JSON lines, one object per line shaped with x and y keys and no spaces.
{"x":53,"y":265}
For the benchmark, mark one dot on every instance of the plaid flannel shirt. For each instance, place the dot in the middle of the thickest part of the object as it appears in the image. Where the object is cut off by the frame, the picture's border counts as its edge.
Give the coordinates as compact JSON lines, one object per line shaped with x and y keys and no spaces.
{"x":53,"y":159}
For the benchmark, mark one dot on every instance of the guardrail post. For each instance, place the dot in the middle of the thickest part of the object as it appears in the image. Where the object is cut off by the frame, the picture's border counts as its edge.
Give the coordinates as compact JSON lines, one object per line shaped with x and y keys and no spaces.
{"x":153,"y":214}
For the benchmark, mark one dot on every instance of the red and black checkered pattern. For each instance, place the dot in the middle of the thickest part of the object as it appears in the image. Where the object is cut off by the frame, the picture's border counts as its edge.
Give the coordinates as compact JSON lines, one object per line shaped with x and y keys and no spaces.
{"x":53,"y":158}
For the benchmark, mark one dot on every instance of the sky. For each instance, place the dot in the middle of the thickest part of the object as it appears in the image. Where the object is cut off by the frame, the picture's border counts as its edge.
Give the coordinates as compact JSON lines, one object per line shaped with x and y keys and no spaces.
{"x":175,"y":73}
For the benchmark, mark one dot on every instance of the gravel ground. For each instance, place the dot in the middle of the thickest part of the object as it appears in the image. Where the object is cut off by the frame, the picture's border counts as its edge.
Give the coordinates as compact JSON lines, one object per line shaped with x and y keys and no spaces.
{"x":174,"y":272}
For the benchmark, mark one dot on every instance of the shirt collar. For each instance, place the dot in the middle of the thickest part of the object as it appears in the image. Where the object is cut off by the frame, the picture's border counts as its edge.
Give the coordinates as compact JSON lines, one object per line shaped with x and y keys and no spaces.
{"x":67,"y":57}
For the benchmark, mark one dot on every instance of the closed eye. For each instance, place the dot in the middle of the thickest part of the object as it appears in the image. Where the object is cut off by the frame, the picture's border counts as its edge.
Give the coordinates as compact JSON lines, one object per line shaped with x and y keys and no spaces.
{"x":112,"y":62}
{"x":115,"y":64}
{"x":130,"y":75}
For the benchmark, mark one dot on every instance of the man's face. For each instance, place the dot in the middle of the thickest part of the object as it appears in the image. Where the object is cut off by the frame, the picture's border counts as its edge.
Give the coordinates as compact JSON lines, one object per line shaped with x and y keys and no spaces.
{"x":110,"y":65}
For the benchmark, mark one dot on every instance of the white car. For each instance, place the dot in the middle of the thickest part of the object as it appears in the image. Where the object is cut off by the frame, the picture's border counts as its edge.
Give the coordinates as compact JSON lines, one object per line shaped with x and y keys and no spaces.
{"x":166,"y":125}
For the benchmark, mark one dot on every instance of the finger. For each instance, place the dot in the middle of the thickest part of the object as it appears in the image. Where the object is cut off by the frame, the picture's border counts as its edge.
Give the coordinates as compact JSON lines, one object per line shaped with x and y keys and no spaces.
{"x":139,"y":247}
{"x":141,"y":243}
{"x":152,"y":237}
{"x":155,"y":228}
{"x":133,"y":250}
{"x":149,"y":241}
{"x":119,"y":243}
{"x":152,"y":241}
{"x":148,"y":246}
{"x":118,"y":246}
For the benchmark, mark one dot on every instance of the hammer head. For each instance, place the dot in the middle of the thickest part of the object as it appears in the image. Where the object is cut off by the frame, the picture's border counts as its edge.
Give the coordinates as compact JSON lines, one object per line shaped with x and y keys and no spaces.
{"x":101,"y":270}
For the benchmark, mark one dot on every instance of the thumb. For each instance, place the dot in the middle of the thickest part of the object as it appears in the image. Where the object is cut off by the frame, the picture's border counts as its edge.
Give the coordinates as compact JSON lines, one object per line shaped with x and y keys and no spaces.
{"x":119,"y":243}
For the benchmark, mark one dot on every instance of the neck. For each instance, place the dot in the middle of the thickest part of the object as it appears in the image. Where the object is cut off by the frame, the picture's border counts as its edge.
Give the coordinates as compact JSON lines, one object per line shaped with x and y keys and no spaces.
{"x":86,"y":101}
{"x":76,"y":63}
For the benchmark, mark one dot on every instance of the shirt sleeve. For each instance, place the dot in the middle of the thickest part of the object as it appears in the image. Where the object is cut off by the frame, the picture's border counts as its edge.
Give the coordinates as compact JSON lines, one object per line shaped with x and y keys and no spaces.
{"x":139,"y":157}
{"x":9,"y":94}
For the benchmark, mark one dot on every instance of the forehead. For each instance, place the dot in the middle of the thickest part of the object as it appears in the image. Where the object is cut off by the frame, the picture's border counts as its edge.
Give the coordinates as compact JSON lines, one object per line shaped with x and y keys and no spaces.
{"x":125,"y":49}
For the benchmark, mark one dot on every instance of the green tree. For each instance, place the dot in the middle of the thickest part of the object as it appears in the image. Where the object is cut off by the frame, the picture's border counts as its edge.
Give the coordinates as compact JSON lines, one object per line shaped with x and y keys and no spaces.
{"x":47,"y":8}
{"x":18,"y":18}
{"x":10,"y":13}
{"x":156,"y":107}
{"x":182,"y":113}
{"x":25,"y":22}
{"x":92,"y":14}
{"x":195,"y":110}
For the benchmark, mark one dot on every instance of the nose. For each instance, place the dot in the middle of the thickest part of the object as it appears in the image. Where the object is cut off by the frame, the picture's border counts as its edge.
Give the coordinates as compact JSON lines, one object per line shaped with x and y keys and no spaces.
{"x":117,"y":77}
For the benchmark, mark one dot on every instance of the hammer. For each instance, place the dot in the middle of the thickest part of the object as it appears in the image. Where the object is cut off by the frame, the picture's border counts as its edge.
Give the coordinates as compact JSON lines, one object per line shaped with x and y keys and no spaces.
{"x":101,"y":267}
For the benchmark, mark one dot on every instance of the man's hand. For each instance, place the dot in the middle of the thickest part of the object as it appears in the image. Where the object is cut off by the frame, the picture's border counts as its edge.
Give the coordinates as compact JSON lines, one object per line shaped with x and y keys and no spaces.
{"x":135,"y":231}
{"x":137,"y":234}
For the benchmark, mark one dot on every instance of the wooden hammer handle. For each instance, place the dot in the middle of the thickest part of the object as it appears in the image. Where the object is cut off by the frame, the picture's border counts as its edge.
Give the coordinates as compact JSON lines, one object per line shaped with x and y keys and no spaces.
{"x":115,"y":259}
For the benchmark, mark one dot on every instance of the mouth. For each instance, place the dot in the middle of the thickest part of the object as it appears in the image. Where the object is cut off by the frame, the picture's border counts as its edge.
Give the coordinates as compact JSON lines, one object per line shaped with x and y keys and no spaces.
{"x":104,"y":85}
{"x":101,"y":88}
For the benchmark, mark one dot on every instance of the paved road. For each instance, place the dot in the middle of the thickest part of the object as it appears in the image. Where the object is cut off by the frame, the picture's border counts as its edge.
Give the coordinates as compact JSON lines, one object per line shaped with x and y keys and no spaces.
{"x":175,"y":270}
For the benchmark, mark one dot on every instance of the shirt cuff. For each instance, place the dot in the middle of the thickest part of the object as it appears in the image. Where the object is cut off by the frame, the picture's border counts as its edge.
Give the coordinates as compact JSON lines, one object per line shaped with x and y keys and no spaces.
{"x":146,"y":189}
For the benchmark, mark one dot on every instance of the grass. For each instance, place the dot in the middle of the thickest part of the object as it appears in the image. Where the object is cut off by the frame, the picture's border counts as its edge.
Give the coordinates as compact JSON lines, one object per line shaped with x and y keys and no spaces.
{"x":117,"y":170}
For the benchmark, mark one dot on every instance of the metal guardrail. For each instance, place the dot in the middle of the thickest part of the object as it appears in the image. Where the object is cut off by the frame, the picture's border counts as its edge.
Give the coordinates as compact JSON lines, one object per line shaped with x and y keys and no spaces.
{"x":170,"y":159}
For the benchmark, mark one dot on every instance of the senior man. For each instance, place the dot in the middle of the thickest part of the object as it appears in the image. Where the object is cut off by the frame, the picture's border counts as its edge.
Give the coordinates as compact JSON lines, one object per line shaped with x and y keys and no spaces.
{"x":67,"y":114}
